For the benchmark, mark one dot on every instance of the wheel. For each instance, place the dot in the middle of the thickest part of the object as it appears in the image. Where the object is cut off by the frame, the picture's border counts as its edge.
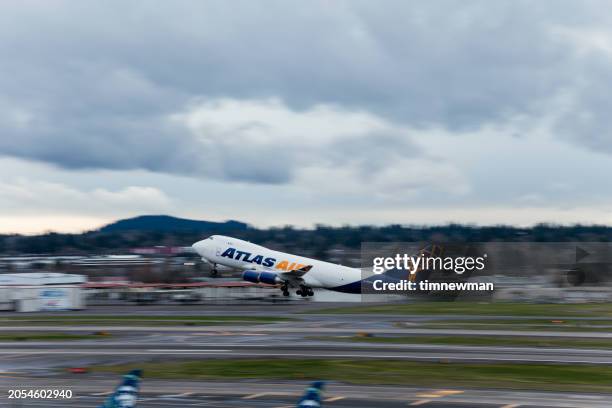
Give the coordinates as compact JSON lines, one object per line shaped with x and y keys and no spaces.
{"x":299,"y":292}
{"x":310,"y":292}
{"x":285,"y":293}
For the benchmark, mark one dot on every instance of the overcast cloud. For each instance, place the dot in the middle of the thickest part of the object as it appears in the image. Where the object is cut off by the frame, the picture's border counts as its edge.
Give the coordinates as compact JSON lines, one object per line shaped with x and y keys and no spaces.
{"x":305,"y":112}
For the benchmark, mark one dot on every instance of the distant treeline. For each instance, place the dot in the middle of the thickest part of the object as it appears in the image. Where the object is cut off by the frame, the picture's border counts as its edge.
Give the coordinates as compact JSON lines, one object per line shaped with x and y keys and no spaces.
{"x":317,"y":241}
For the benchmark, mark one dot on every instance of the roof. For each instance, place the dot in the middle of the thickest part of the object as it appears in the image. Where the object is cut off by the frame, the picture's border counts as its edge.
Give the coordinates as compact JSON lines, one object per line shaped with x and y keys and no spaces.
{"x":41,"y":278}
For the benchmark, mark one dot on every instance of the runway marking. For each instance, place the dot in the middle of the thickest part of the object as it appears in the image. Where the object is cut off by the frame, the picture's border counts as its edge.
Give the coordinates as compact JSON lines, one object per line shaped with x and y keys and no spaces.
{"x":11,"y":356}
{"x":449,"y":392}
{"x":420,"y":402}
{"x":263,"y":394}
{"x":260,"y":394}
{"x":8,"y":376}
{"x":101,"y":394}
{"x":332,"y":399}
{"x":184,"y":394}
{"x":189,"y":350}
{"x":435,"y":394}
{"x":511,"y":406}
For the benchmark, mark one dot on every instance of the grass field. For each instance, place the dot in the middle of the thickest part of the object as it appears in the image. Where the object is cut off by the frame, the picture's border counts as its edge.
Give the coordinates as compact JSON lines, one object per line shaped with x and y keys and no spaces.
{"x":571,"y":322}
{"x":507,"y":376}
{"x":522,"y":327}
{"x":48,"y":336}
{"x":506,"y":323}
{"x":478,"y":341}
{"x":481,"y":309}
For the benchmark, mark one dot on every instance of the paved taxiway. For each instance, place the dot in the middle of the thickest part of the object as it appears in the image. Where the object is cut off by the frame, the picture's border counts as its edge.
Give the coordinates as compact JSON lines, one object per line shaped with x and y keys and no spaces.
{"x":91,"y":391}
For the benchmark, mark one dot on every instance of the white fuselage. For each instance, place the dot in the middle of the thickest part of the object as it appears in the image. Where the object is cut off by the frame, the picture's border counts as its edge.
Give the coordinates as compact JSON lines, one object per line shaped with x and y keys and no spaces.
{"x":239,"y":254}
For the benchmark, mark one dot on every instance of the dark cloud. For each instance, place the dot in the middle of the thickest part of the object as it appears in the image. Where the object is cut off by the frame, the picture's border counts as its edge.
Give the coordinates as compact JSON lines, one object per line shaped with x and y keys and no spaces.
{"x":92,"y":85}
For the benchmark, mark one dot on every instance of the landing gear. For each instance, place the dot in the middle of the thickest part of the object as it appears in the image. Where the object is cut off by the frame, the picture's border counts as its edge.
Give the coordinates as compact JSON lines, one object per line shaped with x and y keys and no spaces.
{"x":285,"y":290}
{"x":304,"y":291}
{"x":214,"y":272}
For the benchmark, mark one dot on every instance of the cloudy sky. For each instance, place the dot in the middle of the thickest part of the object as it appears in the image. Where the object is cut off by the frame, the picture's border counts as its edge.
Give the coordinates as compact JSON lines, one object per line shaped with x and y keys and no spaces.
{"x":295,"y":112}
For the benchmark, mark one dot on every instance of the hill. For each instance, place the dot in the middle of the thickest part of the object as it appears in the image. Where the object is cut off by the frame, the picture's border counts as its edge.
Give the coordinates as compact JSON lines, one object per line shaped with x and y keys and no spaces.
{"x":166,"y":223}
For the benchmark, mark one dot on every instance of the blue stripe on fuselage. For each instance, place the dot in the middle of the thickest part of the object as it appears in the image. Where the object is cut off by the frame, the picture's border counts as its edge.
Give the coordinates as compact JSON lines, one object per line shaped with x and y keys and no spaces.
{"x":354,"y":287}
{"x":367,"y":283}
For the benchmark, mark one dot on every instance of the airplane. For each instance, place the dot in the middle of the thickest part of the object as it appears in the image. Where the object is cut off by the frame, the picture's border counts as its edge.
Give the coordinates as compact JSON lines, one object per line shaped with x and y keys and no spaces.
{"x":126,"y":393}
{"x":312,"y":396}
{"x":263,"y":265}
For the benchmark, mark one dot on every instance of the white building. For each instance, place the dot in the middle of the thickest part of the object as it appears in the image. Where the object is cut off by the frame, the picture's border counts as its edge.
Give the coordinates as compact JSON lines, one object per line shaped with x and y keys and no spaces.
{"x":36,"y":292}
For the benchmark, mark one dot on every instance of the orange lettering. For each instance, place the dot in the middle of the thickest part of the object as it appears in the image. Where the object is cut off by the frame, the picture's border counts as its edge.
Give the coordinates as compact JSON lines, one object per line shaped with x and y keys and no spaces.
{"x":282,"y":265}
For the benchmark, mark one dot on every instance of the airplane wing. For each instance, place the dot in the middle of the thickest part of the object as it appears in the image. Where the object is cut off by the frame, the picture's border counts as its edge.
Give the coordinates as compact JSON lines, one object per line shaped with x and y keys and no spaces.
{"x":126,"y":393}
{"x":296,"y":273}
{"x":312,"y":396}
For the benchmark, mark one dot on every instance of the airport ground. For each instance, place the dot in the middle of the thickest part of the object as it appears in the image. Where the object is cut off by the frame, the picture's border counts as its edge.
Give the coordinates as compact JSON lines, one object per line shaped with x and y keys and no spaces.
{"x":254,"y":354}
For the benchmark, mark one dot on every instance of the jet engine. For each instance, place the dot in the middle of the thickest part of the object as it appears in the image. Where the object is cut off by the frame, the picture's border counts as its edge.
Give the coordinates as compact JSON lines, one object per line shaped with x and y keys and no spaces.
{"x":269,"y":278}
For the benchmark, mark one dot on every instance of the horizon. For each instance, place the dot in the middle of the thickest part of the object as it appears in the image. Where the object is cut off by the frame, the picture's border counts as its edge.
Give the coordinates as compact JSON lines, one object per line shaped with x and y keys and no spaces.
{"x":315,"y":225}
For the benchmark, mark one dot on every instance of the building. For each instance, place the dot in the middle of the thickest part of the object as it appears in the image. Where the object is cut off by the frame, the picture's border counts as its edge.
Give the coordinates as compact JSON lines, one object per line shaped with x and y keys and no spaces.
{"x":41,"y":291}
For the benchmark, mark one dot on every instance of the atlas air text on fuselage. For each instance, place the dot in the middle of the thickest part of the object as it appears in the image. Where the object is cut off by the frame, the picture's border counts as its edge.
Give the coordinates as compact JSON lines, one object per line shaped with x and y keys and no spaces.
{"x":269,"y":262}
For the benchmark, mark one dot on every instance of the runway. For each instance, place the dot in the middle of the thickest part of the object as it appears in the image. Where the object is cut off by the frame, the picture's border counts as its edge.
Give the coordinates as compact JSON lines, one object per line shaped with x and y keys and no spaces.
{"x":306,"y":329}
{"x":54,"y":353}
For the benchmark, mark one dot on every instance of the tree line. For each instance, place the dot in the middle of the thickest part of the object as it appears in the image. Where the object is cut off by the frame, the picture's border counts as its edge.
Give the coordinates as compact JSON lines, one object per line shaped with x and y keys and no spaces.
{"x":318,"y":240}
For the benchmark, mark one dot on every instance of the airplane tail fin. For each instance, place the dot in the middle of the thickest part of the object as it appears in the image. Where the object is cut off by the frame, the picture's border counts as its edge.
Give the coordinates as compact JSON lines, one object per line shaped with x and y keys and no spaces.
{"x":312,"y":396}
{"x":133,"y":376}
{"x":417,"y":274}
{"x":126,"y":393}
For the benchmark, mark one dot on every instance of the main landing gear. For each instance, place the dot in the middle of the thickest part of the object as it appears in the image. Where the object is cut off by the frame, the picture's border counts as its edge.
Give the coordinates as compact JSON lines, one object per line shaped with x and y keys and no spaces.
{"x":304,"y":291}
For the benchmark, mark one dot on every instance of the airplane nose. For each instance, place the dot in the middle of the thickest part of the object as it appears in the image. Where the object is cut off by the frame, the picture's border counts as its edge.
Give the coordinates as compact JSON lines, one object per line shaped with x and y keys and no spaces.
{"x":200,"y":247}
